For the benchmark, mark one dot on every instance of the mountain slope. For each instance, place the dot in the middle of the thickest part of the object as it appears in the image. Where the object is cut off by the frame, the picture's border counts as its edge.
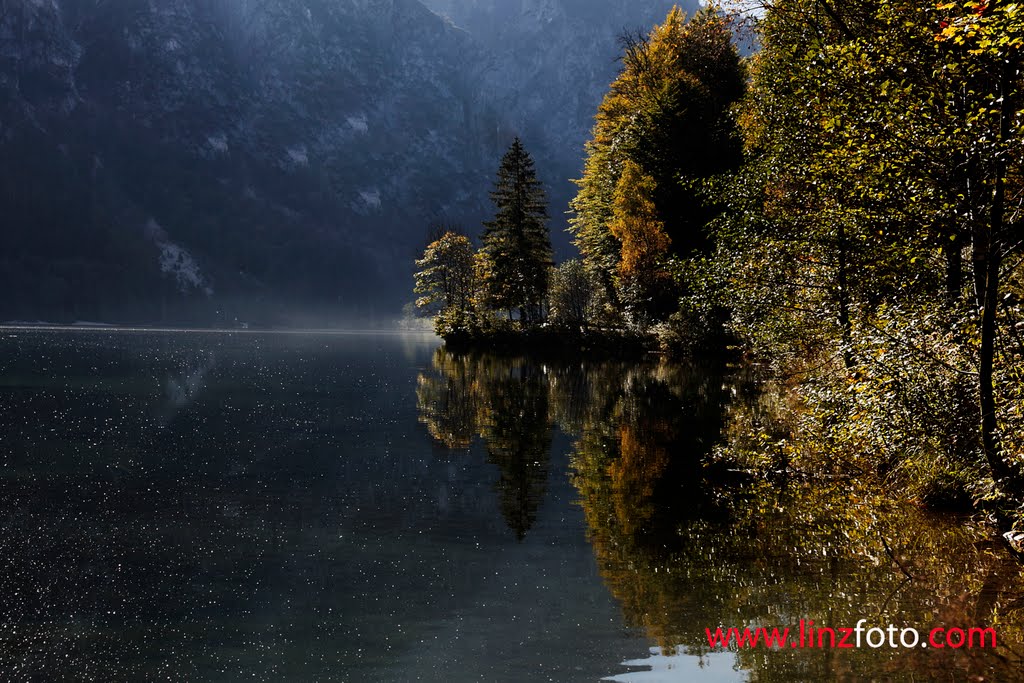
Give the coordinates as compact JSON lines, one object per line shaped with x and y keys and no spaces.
{"x":269,"y":160}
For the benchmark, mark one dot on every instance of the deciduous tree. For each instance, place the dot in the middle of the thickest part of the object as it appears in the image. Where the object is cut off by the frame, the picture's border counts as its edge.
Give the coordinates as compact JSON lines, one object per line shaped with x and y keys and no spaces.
{"x":446,"y":278}
{"x":884,"y":138}
{"x":669,"y":115}
{"x":641,"y":273}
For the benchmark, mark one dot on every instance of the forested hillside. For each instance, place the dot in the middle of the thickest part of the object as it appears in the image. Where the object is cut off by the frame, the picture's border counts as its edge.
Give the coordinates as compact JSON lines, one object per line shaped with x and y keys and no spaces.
{"x":181,"y":162}
{"x":870,"y":252}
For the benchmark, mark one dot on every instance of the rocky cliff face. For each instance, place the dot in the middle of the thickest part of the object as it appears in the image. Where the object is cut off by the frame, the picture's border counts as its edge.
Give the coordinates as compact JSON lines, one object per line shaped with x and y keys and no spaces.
{"x":210,"y":160}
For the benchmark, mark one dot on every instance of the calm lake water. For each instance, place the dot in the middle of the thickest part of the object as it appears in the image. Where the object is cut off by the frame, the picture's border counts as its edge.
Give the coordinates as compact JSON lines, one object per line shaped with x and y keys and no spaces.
{"x":356,"y":507}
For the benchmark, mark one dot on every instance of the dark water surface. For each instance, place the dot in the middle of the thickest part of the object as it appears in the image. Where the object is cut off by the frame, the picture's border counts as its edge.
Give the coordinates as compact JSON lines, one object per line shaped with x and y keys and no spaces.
{"x":347,"y":507}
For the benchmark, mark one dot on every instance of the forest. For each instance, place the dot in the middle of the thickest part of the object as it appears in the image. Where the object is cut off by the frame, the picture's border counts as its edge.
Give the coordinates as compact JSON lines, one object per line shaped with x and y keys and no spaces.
{"x":840,"y":211}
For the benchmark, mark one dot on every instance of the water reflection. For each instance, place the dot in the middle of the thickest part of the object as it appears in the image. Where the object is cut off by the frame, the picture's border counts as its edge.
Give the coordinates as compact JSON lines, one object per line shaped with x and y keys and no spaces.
{"x":684,"y":542}
{"x":297,"y":523}
{"x":506,"y":405}
{"x":718,"y":667}
{"x":184,"y":385}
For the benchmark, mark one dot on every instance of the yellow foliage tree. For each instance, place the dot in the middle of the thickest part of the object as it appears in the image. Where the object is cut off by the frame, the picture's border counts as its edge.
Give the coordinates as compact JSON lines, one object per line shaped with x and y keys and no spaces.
{"x":667,"y":119}
{"x":644,"y":243}
{"x":636,"y":225}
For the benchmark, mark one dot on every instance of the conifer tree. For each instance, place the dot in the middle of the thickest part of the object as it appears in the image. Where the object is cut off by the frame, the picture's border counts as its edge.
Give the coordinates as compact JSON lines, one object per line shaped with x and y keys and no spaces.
{"x":517,"y":244}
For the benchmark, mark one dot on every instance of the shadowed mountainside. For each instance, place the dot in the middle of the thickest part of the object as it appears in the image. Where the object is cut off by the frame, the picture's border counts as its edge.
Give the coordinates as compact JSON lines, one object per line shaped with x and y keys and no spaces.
{"x":220,"y":161}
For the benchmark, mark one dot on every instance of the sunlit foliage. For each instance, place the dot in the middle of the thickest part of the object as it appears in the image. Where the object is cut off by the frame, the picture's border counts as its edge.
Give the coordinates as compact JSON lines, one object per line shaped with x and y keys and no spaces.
{"x":664,"y":125}
{"x":446,"y":279}
{"x":641,"y":274}
{"x":871,"y":231}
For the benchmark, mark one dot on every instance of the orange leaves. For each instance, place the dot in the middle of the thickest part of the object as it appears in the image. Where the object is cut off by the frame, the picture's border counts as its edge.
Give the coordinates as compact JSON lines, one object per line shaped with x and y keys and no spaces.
{"x":635,"y":474}
{"x":982,"y":26}
{"x":636,"y":224}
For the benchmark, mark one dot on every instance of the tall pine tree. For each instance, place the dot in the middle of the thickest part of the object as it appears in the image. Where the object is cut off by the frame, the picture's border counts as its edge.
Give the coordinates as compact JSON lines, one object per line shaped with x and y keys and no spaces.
{"x":517,"y":244}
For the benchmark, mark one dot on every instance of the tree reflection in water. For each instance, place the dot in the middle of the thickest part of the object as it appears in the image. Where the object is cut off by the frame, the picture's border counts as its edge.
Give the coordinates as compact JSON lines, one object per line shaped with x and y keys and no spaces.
{"x":685,"y":542}
{"x":505,"y":402}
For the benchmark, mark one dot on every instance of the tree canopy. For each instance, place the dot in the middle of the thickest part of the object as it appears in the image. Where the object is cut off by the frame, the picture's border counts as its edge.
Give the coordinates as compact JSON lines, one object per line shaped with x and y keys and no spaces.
{"x":870,"y":228}
{"x":850,"y":216}
{"x":664,"y":126}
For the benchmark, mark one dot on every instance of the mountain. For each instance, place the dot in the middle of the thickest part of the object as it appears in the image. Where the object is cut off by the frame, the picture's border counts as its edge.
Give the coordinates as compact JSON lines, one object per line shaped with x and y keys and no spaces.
{"x":551,"y":61}
{"x":210,"y":161}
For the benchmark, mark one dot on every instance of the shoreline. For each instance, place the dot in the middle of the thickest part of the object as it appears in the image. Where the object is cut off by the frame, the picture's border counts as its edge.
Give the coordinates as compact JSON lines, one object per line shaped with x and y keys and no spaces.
{"x":50,"y":327}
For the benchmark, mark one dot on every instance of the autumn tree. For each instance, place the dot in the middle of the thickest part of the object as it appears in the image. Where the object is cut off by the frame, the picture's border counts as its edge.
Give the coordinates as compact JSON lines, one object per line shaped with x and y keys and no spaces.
{"x":668,"y":115}
{"x":884,"y":144}
{"x":641,"y":275}
{"x":516,"y":243}
{"x":446,"y":281}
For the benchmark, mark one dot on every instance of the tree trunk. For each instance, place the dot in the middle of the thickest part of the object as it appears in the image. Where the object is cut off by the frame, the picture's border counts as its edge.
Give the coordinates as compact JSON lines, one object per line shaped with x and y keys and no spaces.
{"x":980,"y":248}
{"x":954,"y":269}
{"x":1001,"y":471}
{"x":986,"y":387}
{"x":844,"y":299}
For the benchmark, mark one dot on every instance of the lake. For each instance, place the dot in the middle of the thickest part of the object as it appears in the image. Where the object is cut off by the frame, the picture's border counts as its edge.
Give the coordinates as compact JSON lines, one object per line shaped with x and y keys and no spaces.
{"x":228,"y":506}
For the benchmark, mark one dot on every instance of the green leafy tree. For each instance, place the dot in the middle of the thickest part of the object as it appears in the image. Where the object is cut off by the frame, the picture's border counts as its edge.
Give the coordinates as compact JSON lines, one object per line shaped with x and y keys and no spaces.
{"x":576,"y":297}
{"x":884,"y":140}
{"x":987,"y":56}
{"x":517,"y":244}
